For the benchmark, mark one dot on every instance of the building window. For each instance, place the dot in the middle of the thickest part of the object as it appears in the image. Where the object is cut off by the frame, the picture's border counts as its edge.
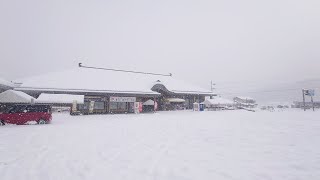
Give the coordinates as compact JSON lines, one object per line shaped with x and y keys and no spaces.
{"x":120,"y":106}
{"x":99,"y":105}
{"x":84,"y":106}
{"x":113,"y":105}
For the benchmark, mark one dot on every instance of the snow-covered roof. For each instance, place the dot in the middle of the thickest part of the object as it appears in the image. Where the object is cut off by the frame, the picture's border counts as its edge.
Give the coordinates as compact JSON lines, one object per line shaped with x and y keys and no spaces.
{"x":102,"y":81}
{"x":244,"y":98}
{"x":12,"y":96}
{"x":217,"y":100}
{"x":89,"y":80}
{"x":60,"y":98}
{"x":181,"y":87}
{"x":149,"y":103}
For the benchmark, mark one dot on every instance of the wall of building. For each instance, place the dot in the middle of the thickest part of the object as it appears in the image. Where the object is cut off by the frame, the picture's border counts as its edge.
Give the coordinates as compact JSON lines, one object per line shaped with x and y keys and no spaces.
{"x":103,"y":105}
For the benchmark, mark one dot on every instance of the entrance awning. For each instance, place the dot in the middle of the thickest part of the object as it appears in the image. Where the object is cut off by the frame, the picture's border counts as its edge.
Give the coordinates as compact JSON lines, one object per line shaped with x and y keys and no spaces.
{"x":175,"y":100}
{"x":149,"y":103}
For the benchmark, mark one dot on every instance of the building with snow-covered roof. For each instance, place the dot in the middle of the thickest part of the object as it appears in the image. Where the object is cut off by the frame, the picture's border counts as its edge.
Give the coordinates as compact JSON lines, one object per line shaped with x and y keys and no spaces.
{"x":108,"y":91}
{"x":218,"y":103}
{"x":177,"y":94}
{"x":244,"y":102}
{"x":307,"y":105}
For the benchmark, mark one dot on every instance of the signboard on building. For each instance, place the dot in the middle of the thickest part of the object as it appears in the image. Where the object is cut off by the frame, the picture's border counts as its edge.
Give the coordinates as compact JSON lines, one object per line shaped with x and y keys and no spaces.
{"x":122,"y":99}
{"x":309,"y":92}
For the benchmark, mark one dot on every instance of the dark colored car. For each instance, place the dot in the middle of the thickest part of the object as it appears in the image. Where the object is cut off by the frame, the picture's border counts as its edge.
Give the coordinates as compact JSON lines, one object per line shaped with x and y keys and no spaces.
{"x":21,"y":114}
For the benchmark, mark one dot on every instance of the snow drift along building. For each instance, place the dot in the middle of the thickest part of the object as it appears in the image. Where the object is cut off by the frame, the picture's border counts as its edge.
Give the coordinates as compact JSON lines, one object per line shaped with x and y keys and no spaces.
{"x":115,"y":92}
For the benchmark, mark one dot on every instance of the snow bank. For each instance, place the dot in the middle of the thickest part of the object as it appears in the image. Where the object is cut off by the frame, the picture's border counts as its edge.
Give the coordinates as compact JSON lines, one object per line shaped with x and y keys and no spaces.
{"x":221,"y":145}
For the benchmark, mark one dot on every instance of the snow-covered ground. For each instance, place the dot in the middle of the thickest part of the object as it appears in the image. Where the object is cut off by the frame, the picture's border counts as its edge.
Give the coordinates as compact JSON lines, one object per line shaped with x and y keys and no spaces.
{"x":167,"y":145}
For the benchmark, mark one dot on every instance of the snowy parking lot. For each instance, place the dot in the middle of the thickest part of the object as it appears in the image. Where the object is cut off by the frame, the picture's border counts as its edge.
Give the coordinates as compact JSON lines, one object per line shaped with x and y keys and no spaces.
{"x":166,"y":145}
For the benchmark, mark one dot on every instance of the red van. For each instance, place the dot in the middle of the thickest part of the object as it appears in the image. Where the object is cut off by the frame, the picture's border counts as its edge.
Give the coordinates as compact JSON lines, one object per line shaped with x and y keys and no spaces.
{"x":21,"y":114}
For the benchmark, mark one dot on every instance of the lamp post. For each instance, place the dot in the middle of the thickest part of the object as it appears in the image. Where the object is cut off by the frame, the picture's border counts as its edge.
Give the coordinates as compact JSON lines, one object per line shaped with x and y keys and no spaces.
{"x":212,"y":84}
{"x":304,"y":100}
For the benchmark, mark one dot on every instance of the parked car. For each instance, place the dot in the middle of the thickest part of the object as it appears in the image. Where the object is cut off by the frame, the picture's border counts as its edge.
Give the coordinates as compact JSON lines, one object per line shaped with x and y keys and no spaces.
{"x":21,"y":114}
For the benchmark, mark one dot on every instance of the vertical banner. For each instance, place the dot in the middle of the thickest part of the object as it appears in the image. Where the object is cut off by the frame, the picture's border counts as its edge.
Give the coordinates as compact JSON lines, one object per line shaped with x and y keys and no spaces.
{"x":140,"y":107}
{"x":136,"y":107}
{"x":74,"y":106}
{"x":155,"y":106}
{"x":91,"y":105}
{"x":196,"y":107}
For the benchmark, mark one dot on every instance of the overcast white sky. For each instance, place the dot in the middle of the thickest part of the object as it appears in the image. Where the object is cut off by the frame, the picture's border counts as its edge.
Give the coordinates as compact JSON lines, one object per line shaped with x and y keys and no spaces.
{"x":226,"y":40}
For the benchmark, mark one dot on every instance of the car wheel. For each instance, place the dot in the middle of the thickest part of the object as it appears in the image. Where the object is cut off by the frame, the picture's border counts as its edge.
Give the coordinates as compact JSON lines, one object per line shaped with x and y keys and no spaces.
{"x":42,"y":121}
{"x":2,"y":123}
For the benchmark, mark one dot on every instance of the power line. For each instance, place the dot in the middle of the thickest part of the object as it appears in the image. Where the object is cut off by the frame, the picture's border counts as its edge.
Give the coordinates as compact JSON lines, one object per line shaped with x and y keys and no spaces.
{"x":121,"y":70}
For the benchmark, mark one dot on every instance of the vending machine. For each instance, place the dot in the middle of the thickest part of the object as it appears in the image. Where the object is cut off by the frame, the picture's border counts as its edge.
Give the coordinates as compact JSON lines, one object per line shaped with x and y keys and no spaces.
{"x":196,"y":106}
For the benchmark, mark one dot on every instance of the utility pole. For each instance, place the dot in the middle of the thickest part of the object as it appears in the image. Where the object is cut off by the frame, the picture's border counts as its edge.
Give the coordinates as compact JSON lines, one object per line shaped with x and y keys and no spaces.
{"x":212,"y":84}
{"x":304,"y":100}
{"x":312,"y":103}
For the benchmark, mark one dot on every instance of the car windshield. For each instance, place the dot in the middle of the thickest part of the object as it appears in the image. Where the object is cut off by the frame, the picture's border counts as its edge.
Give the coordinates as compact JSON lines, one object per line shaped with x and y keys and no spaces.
{"x":15,"y":109}
{"x":7,"y":110}
{"x":29,"y":108}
